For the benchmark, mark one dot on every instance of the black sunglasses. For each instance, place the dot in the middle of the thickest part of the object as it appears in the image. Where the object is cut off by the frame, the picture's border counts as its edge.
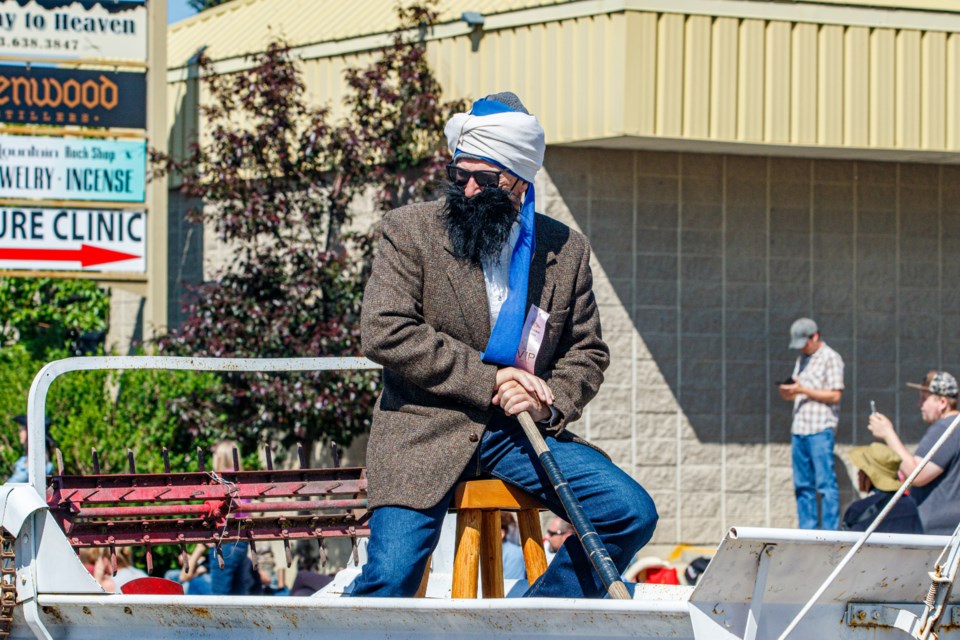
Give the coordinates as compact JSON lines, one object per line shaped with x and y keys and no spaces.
{"x":460,"y":177}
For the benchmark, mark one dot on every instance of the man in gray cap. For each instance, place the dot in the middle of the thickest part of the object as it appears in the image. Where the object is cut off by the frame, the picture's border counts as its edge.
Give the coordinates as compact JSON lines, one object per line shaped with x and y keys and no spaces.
{"x":479,"y":308}
{"x":936,"y":489}
{"x":815,"y":388}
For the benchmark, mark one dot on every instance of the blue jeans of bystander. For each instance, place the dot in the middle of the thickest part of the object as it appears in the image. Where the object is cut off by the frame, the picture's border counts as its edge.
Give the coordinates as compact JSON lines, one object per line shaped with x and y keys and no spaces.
{"x":813,"y":474}
{"x":236,"y":577}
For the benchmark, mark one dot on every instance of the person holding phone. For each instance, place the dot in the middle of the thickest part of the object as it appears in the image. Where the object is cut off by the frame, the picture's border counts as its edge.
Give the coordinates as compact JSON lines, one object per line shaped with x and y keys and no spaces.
{"x":936,"y":489}
{"x":815,"y":389}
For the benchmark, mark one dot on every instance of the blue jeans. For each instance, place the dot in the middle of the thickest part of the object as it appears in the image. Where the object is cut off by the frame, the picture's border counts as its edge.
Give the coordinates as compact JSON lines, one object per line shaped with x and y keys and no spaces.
{"x":813,"y":474}
{"x":236,"y":577}
{"x":402,"y":539}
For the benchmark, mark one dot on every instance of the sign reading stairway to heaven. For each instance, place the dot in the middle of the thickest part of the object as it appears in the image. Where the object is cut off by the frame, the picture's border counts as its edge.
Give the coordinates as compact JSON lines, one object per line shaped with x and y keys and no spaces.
{"x":75,"y":29}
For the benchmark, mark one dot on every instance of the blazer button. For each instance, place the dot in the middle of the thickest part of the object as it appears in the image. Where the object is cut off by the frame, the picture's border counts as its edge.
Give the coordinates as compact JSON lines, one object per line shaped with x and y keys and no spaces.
{"x":473,"y":437}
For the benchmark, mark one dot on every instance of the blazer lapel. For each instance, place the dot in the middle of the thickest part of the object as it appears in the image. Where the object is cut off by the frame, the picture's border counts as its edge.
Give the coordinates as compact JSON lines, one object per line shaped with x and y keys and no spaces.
{"x":540,"y":287}
{"x":466,"y":279}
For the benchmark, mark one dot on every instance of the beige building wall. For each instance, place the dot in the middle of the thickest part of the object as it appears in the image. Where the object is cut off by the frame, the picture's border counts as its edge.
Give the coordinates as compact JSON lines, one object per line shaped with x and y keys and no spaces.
{"x":701,"y":264}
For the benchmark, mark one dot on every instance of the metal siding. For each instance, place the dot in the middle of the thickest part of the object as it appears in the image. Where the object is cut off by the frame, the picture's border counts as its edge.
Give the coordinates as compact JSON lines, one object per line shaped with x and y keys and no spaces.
{"x":908,"y":89}
{"x":723,"y":79}
{"x":696,"y":78}
{"x":670,"y":75}
{"x":586,"y":75}
{"x":830,"y":86}
{"x":613,"y":100}
{"x":533,"y":45}
{"x":619,"y":73}
{"x":241,"y":27}
{"x":856,"y":94}
{"x":552,"y":108}
{"x":777,"y":83}
{"x":953,"y":91}
{"x":882,"y":87}
{"x":641,"y":54}
{"x":932,"y":95}
{"x":750,"y":81}
{"x":803,"y":90}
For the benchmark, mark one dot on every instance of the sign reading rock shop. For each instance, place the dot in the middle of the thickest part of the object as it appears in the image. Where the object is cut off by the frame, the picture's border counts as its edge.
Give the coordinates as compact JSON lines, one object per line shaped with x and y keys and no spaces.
{"x":74,"y":29}
{"x":39,"y":168}
{"x":70,"y":239}
{"x":43,"y":95}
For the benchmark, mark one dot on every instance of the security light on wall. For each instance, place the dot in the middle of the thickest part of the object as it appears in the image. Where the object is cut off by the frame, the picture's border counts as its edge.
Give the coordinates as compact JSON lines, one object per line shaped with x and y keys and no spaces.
{"x":473,"y":18}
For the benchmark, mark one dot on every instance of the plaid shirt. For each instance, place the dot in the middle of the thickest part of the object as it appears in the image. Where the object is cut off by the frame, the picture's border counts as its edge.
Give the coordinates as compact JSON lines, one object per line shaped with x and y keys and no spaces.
{"x":824,"y":370}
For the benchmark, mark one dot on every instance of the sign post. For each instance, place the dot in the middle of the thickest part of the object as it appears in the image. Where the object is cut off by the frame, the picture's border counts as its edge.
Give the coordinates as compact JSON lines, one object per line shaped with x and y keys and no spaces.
{"x":82,"y":94}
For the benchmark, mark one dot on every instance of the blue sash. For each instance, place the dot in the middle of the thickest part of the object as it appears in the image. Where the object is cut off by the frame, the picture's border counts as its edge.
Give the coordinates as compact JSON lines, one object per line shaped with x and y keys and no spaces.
{"x":505,"y":337}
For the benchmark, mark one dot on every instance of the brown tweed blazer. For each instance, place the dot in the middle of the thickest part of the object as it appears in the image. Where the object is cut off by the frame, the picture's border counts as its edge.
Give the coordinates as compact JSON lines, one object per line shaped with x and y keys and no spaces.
{"x":425,"y":319}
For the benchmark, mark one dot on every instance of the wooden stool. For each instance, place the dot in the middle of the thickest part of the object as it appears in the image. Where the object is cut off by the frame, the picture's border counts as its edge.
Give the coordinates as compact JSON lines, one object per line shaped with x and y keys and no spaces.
{"x":478,"y":504}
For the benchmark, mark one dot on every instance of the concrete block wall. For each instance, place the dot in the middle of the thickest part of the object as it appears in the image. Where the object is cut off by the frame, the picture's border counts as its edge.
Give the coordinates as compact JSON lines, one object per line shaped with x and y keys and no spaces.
{"x":701,"y":263}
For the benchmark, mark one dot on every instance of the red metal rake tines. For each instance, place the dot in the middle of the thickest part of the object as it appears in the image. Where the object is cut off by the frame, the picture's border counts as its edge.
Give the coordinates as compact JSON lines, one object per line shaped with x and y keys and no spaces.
{"x":142,"y":509}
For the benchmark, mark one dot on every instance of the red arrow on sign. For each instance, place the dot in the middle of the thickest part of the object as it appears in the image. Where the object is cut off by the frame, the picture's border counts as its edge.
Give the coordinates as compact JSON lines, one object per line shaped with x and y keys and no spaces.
{"x":87,"y":255}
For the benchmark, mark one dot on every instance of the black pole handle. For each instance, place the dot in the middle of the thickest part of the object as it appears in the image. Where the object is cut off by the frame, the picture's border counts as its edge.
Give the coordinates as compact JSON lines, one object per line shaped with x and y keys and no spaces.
{"x":589,"y":538}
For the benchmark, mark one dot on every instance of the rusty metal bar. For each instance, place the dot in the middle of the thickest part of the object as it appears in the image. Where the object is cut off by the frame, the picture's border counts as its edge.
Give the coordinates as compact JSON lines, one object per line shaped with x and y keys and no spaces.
{"x":37,"y":400}
{"x":202,"y":509}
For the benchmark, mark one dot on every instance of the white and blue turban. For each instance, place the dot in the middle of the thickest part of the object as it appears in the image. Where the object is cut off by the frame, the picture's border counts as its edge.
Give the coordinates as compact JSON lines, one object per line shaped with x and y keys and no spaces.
{"x":503,"y":134}
{"x":498,"y":129}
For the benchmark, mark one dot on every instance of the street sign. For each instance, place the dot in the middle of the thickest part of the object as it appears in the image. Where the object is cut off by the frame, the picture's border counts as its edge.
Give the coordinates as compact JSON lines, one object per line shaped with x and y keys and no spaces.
{"x":43,"y":95}
{"x":72,"y":239}
{"x":80,"y":29}
{"x":41,"y":168}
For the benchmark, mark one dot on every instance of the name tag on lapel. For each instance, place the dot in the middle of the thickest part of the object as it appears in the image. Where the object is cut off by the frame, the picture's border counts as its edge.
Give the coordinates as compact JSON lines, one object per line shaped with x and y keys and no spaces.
{"x":531,"y":338}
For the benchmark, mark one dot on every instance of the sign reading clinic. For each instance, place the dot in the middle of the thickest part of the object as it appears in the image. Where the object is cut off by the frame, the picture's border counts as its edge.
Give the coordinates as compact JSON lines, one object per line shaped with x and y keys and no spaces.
{"x":75,"y":29}
{"x":38,"y":95}
{"x":39,"y":168}
{"x":71,"y":239}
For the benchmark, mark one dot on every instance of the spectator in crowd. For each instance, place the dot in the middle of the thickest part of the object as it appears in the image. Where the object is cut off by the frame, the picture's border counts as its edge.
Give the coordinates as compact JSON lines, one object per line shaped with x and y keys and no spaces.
{"x":99,"y":563}
{"x":877,"y":466}
{"x":814,"y":388}
{"x":651,"y":570}
{"x":236,"y":577}
{"x":558,"y":530}
{"x":308,"y":580}
{"x":20,"y":468}
{"x":691,"y":575}
{"x":194,"y":576}
{"x":514,"y":568}
{"x":936,"y":489}
{"x":272,"y":578}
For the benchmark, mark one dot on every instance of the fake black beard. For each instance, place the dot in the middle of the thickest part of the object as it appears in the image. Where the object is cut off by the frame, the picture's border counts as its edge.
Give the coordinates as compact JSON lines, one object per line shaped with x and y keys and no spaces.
{"x":479,"y":226}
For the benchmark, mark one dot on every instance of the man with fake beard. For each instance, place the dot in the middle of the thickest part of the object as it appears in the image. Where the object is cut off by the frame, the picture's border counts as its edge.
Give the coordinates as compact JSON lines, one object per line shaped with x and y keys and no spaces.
{"x":479,"y":309}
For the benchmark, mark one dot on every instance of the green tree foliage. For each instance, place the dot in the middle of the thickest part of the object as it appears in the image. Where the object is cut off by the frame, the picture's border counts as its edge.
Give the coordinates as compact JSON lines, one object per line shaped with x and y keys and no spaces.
{"x":44,"y":319}
{"x":45,"y":314}
{"x":279,"y":177}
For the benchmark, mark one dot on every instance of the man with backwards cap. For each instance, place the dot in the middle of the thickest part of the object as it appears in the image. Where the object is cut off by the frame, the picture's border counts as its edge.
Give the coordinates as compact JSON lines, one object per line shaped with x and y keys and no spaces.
{"x":936,"y":489}
{"x":815,"y":388}
{"x":478,"y":308}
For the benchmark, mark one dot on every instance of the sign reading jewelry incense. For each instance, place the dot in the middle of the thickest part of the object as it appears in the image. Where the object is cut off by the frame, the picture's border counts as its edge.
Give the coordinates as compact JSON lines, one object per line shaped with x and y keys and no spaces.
{"x":71,"y":239}
{"x":99,"y":29}
{"x":35,"y":167}
{"x":41,"y":95}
